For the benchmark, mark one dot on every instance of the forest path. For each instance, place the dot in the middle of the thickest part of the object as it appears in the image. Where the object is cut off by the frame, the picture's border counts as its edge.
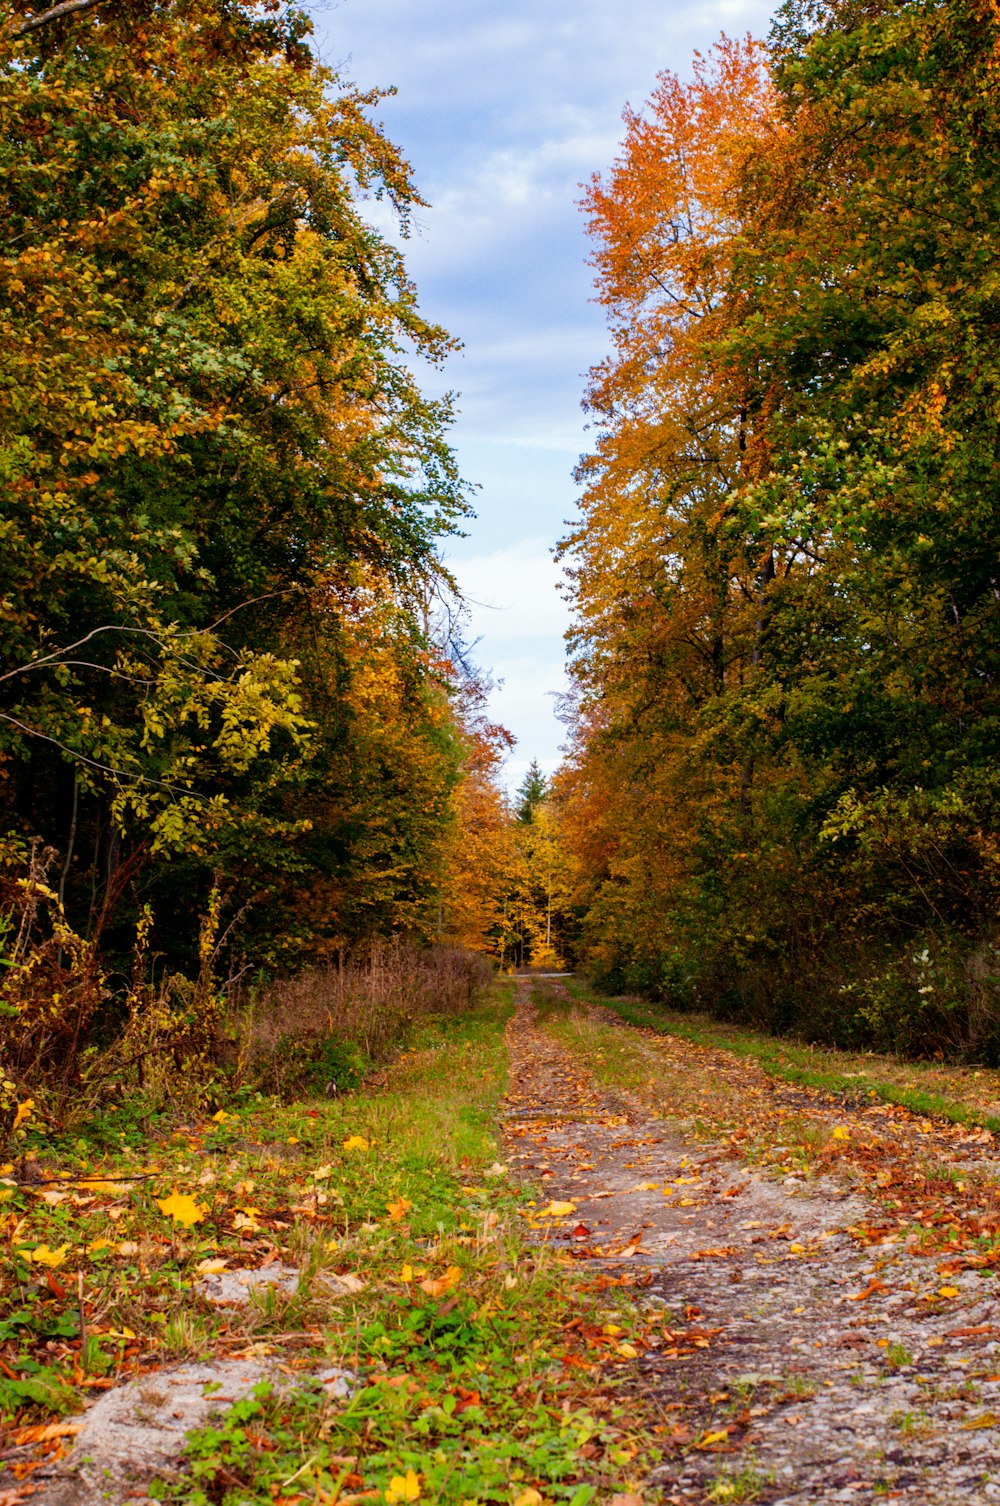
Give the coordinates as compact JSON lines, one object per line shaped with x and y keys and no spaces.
{"x":798,"y":1345}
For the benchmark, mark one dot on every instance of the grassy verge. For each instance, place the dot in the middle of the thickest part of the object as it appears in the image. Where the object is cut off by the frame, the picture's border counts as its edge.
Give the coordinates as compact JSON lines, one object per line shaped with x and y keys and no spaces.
{"x":481,"y":1368}
{"x":960,"y":1095}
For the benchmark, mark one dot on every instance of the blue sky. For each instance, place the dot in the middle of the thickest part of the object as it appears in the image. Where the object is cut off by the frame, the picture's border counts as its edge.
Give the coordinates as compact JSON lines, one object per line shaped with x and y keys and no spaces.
{"x":503,"y":112}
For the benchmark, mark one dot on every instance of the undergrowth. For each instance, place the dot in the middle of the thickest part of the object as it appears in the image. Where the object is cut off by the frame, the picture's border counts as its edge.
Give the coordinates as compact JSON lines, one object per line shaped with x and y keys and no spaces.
{"x":960,"y":1095}
{"x":479,"y":1366}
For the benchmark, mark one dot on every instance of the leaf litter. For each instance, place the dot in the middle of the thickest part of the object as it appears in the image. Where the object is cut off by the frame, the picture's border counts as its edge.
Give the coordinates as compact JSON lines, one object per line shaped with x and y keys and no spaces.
{"x":818,"y":1307}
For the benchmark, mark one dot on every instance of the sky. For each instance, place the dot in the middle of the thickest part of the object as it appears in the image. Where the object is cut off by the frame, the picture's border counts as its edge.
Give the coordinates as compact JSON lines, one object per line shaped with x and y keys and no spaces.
{"x":504,"y":111}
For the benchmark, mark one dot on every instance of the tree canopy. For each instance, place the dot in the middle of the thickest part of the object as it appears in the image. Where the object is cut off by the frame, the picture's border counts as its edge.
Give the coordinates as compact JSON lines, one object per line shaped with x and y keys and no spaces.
{"x":783,"y":788}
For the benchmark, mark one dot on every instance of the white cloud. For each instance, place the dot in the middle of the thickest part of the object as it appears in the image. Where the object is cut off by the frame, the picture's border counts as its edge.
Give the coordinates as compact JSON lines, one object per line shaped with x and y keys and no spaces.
{"x":503,"y":113}
{"x":513,"y":598}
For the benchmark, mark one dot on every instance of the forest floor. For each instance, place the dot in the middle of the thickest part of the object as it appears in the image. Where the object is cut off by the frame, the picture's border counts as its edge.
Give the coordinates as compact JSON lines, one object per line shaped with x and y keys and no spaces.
{"x":552,"y":1254}
{"x":817,"y":1282}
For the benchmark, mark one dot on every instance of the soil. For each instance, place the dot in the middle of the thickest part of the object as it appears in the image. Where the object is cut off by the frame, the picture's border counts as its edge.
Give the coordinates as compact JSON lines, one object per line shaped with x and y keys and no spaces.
{"x":789,"y":1362}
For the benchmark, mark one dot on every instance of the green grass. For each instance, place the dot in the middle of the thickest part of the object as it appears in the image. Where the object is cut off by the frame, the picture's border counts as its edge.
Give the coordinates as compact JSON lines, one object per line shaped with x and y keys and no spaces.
{"x":956,"y":1094}
{"x":483,"y":1370}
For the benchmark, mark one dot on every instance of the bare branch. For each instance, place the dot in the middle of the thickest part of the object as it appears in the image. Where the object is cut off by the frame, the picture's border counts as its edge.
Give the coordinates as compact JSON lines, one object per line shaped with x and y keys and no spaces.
{"x":65,"y":8}
{"x":102,"y":768}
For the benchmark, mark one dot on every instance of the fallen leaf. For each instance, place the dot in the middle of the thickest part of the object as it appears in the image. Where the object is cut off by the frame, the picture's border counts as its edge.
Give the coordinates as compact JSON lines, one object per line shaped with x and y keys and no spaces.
{"x":987,"y":1420}
{"x":436,"y":1286}
{"x":873,"y":1286}
{"x":840,"y":1133}
{"x":710,"y":1439}
{"x":347,"y":1281}
{"x":399,"y":1209}
{"x":42,"y":1255}
{"x":947,"y":1291}
{"x":182,"y":1208}
{"x":529,"y":1497}
{"x":357,"y":1142}
{"x":44,"y":1432}
{"x":210,"y":1267}
{"x":222,"y":1117}
{"x":557,"y":1210}
{"x":403,"y":1488}
{"x":24,"y":1111}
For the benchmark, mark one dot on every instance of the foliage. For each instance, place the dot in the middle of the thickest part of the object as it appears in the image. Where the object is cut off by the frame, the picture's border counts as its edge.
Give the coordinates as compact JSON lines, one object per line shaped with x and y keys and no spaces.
{"x":782,"y":793}
{"x":231,"y":734}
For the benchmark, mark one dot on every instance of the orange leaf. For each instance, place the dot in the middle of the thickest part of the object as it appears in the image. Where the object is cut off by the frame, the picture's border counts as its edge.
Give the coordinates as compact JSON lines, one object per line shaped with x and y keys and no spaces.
{"x":436,"y":1286}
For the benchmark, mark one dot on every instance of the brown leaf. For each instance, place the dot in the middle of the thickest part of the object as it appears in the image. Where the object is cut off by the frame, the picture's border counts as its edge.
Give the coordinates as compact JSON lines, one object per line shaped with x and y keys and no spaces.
{"x":874,"y":1285}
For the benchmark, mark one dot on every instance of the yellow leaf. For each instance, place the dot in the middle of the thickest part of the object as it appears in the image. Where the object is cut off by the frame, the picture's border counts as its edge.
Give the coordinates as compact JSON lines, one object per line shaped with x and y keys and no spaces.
{"x":711,"y":1438}
{"x":987,"y":1420}
{"x":840,"y":1133}
{"x":668,"y":1192}
{"x":403,"y":1488}
{"x":210,"y":1267}
{"x":182,"y":1208}
{"x":557,"y":1210}
{"x":42,"y":1255}
{"x":222,"y":1117}
{"x":356,"y":1142}
{"x":99,"y":1244}
{"x":23,"y":1112}
{"x":406,"y":1274}
{"x":399,"y":1209}
{"x":322,"y":1173}
{"x":436,"y":1286}
{"x":797,"y":1249}
{"x":529,"y":1497}
{"x":947,"y":1291}
{"x":628,"y":1351}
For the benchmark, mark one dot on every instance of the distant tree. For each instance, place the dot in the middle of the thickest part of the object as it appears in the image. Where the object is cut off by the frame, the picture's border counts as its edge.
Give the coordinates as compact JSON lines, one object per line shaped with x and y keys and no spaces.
{"x":534,"y":788}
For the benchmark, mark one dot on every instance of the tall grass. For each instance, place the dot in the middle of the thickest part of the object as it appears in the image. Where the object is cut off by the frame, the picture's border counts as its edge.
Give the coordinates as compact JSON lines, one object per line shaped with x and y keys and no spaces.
{"x":329,"y":1025}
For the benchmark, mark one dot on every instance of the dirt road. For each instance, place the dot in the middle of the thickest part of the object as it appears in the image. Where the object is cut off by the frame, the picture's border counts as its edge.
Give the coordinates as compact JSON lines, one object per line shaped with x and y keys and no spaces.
{"x":800,"y":1346}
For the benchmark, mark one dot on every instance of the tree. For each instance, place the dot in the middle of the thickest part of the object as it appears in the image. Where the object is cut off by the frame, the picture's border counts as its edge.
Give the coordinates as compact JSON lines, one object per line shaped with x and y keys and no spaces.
{"x":787,"y":625}
{"x":532,"y":791}
{"x":222,"y":486}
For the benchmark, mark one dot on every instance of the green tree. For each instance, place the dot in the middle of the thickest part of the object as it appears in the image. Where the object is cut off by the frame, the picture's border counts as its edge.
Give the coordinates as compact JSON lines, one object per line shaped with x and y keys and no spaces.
{"x":218,"y":471}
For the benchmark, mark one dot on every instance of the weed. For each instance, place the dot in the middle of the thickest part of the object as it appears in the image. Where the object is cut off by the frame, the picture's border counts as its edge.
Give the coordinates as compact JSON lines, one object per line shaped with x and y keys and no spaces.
{"x":746,"y":1484}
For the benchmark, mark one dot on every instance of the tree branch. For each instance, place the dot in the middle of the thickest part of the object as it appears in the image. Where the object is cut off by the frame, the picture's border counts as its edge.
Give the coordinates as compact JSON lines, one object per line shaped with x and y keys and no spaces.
{"x":65,"y":8}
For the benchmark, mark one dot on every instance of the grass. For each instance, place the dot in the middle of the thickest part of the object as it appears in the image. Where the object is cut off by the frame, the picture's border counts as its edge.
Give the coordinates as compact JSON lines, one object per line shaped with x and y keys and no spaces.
{"x":482,"y":1369}
{"x":958,"y":1094}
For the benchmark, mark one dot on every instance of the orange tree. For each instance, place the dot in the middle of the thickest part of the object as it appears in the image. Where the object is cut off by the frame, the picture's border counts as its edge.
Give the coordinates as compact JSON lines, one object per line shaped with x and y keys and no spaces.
{"x":785,"y":572}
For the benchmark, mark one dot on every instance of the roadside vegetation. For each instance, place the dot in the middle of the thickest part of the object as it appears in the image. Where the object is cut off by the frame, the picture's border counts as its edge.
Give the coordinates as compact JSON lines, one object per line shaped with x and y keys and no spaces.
{"x":480,"y":1366}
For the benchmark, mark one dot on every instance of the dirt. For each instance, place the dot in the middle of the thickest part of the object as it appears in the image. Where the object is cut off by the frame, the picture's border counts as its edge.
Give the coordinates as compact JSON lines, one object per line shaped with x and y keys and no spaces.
{"x":789,"y":1362}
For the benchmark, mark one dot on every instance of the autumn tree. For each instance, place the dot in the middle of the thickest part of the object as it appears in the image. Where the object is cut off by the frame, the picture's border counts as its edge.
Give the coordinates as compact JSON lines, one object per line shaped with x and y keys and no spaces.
{"x":222,"y":486}
{"x":787,"y":611}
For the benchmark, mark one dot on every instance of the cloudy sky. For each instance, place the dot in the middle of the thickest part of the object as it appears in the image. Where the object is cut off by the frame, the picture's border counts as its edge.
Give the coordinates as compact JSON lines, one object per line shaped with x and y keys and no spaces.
{"x":503,"y":112}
